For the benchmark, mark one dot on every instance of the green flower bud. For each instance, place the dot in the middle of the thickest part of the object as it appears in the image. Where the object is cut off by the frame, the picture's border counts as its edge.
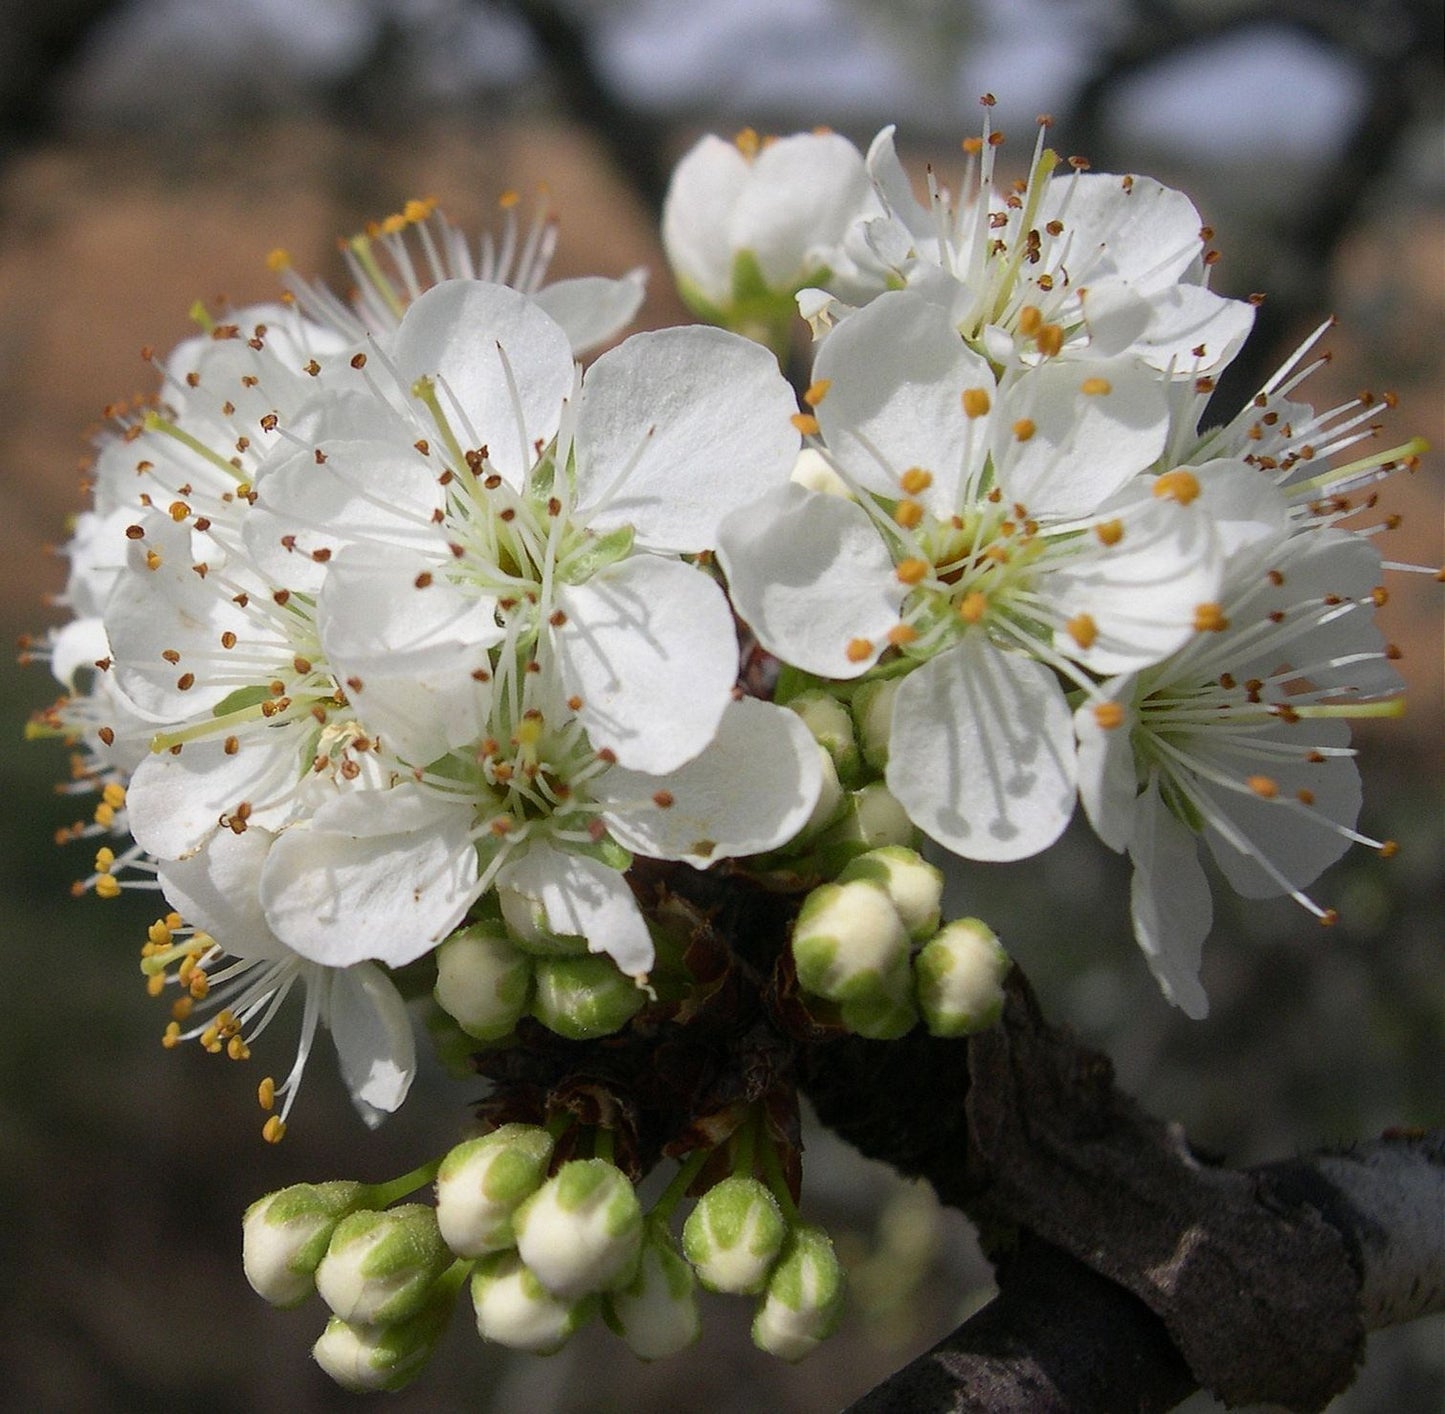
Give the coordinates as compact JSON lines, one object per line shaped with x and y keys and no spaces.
{"x":363,"y":1359}
{"x":514,"y":1309}
{"x":285,"y":1235}
{"x":913,"y":884}
{"x":380,"y":1265}
{"x":830,"y":800}
{"x":583,"y":997}
{"x":881,"y":1016}
{"x":850,"y":944}
{"x":832,"y":728}
{"x":960,"y":977}
{"x":804,"y":1298}
{"x":526,"y":920}
{"x":582,"y":1230}
{"x":734,"y":1235}
{"x":656,"y":1313}
{"x":481,"y":1183}
{"x":484,"y":980}
{"x":873,"y":719}
{"x":870,"y":819}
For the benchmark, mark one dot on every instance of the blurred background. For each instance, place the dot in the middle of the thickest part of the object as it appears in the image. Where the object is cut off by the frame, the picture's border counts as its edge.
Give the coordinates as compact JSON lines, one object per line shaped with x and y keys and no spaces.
{"x":153,"y":151}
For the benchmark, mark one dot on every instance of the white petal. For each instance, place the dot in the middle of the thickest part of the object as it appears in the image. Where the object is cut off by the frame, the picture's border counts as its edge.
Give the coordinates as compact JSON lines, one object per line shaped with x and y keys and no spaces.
{"x":676,"y":428}
{"x":374,"y":1039}
{"x":981,"y":754}
{"x":1171,"y":904}
{"x":592,"y":309}
{"x":472,"y":336}
{"x":218,"y":890}
{"x":697,"y":213}
{"x":809,"y":574}
{"x":649,"y":646}
{"x":897,"y":371}
{"x":1085,"y":445}
{"x":751,"y":790}
{"x":1108,"y":784}
{"x":1186,"y":318}
{"x":381,"y":875}
{"x":582,"y":897}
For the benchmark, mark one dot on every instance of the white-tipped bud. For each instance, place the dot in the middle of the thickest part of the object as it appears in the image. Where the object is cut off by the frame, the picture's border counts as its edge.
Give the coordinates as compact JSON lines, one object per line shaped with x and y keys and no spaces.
{"x":873,"y":718}
{"x":583,"y":997}
{"x":582,"y":1230}
{"x":379,"y":1266}
{"x":804,"y":1298}
{"x":871,"y":818}
{"x":960,"y":975}
{"x":514,"y":1309}
{"x":850,"y":944}
{"x":526,"y":920}
{"x":832,"y":728}
{"x":482,"y":1182}
{"x":734,"y":1235}
{"x":815,"y":472}
{"x":913,"y":884}
{"x":484,"y":980}
{"x":831,"y":797}
{"x":364,"y":1359}
{"x":880,"y":1016}
{"x":284,"y":1236}
{"x":656,"y":1312}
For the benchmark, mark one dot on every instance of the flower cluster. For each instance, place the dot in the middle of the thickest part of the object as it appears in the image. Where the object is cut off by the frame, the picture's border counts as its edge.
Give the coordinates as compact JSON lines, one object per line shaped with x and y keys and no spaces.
{"x":404,"y":639}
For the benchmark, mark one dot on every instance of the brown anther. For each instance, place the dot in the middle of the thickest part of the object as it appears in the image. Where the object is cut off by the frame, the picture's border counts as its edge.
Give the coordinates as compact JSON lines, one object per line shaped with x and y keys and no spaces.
{"x":1389,"y":849}
{"x":1380,"y":595}
{"x":134,"y":532}
{"x":185,"y":682}
{"x":1329,"y":918}
{"x":662,"y":799}
{"x":270,"y":422}
{"x":1049,"y":339}
{"x":422,"y":580}
{"x":1263,"y":786}
{"x":107,"y":735}
{"x":1083,"y":630}
{"x":358,"y":360}
{"x":322,"y":555}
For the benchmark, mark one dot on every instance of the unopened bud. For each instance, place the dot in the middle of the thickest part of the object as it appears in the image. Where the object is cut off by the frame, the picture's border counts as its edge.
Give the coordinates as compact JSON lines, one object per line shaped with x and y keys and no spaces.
{"x":582,"y":1230}
{"x":514,"y":1309}
{"x":832,"y":728}
{"x":804,"y":1298}
{"x":880,"y":1016}
{"x":484,"y":980}
{"x":873,"y":718}
{"x":656,"y":1312}
{"x":380,"y":1265}
{"x":583,"y":997}
{"x":913,"y":884}
{"x":871,"y":818}
{"x":482,"y":1182}
{"x":960,"y":975}
{"x":367,"y":1358}
{"x":734,"y":1235}
{"x":285,"y":1236}
{"x":849,"y":942}
{"x":526,"y":920}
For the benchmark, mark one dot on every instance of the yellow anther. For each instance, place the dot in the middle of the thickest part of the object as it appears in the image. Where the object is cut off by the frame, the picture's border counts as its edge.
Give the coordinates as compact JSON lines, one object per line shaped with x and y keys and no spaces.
{"x":278,"y":261}
{"x":976,"y":402}
{"x":901,"y":634}
{"x":153,"y":560}
{"x":1389,"y":849}
{"x":859,"y":650}
{"x":806,"y":423}
{"x":908,"y":514}
{"x":104,"y":859}
{"x":1108,"y":715}
{"x":1024,"y":428}
{"x":181,"y":1008}
{"x":1095,"y":387}
{"x":915,"y":479}
{"x":179,"y":510}
{"x":416,"y":211}
{"x":1049,"y":339}
{"x":237,"y":1049}
{"x":1110,"y":532}
{"x":155,"y":984}
{"x":273,"y":1131}
{"x":199,"y":985}
{"x":1209,"y":618}
{"x":1030,"y":320}
{"x":911,"y":571}
{"x":973,"y":606}
{"x":1180,"y":485}
{"x":747,"y":142}
{"x":107,"y":886}
{"x":159,"y":933}
{"x":508,"y":199}
{"x":113,"y":795}
{"x":529,"y":731}
{"x":104,"y":816}
{"x":817,"y":391}
{"x":1083,"y":630}
{"x":1263,"y":786}
{"x":171,"y":1037}
{"x":266,"y":1093}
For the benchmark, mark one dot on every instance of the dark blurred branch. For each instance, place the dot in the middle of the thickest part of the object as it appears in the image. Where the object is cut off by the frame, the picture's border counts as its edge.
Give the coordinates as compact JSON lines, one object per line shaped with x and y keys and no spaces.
{"x":635,"y":144}
{"x":1131,"y":1271}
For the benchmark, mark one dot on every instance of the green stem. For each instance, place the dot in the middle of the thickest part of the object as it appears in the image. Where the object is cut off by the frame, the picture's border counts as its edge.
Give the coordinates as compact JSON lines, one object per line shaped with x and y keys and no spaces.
{"x":673,"y":1194}
{"x":383,"y":1195}
{"x":778,"y":1182}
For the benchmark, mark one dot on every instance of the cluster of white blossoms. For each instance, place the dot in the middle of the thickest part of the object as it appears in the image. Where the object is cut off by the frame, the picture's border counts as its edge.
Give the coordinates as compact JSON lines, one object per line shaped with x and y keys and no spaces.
{"x":402,"y":639}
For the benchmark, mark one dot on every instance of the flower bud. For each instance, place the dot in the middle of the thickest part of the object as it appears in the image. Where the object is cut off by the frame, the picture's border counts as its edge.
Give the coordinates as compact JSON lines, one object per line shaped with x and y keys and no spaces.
{"x":870,"y":819}
{"x":873,"y":718}
{"x":380,"y":1265}
{"x":914,"y":886}
{"x":880,"y":1016}
{"x":832,"y":728}
{"x":960,"y":976}
{"x":582,"y":1230}
{"x":849,"y":942}
{"x":514,"y":1309}
{"x":363,"y":1358}
{"x":484,"y":980}
{"x":734,"y":1235}
{"x":583,"y":997}
{"x":481,"y":1183}
{"x":656,"y":1312}
{"x":804,"y":1298}
{"x":526,"y":921}
{"x":285,"y":1235}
